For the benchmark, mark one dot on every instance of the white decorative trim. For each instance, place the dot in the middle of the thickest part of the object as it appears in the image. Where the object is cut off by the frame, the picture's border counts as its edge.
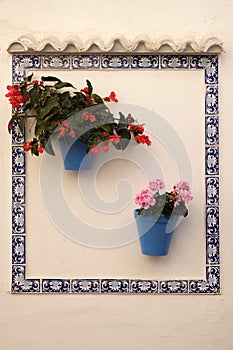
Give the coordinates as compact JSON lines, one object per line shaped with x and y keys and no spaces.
{"x":118,"y":43}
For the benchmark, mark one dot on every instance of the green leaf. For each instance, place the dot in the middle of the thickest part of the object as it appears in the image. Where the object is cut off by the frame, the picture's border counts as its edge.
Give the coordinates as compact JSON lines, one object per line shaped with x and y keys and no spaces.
{"x":48,"y":106}
{"x":62,"y":84}
{"x":97,"y":98}
{"x":90,"y":88}
{"x":50,"y":78}
{"x":49,"y":148}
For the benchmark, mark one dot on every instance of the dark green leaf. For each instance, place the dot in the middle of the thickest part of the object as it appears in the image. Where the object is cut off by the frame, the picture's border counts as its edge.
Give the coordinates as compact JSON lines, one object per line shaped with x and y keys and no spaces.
{"x":97,"y":98}
{"x":62,"y":84}
{"x":50,"y":78}
{"x":90,"y":88}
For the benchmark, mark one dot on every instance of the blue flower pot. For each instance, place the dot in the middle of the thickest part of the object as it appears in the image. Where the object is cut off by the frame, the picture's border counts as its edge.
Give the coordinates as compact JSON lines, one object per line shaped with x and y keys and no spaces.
{"x":74,"y":154}
{"x":154,"y":239}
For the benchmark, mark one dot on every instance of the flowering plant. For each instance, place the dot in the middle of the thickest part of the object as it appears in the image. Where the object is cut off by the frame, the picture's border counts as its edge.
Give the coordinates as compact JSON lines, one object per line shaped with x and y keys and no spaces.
{"x":56,"y":112}
{"x":169,"y":203}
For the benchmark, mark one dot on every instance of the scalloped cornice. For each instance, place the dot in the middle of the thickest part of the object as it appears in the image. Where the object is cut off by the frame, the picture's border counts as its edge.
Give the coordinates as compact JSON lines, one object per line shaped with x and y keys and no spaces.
{"x":118,"y":43}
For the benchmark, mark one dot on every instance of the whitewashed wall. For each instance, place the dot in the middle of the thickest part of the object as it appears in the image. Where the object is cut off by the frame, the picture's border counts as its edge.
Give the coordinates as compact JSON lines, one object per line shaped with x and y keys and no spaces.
{"x":105,"y":321}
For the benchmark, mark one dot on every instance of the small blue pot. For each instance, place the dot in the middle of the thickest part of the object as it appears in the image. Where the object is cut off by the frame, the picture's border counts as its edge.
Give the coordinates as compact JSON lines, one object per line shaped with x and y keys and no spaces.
{"x":154,"y":239}
{"x":74,"y":154}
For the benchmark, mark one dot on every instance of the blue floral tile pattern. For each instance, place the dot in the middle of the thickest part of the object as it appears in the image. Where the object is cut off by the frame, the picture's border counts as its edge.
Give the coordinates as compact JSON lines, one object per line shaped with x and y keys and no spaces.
{"x":145,"y":61}
{"x":211,"y":101}
{"x":210,"y":65}
{"x":22,"y":62}
{"x":212,"y":161}
{"x":56,"y":61}
{"x":18,"y":190}
{"x":85,"y":286}
{"x":143,"y":286}
{"x":114,"y":286}
{"x":211,"y":130}
{"x":55,"y":286}
{"x":212,"y":190}
{"x":18,"y":160}
{"x":212,"y":250}
{"x":18,"y":249}
{"x":22,"y":285}
{"x":18,"y":220}
{"x":116,"y":61}
{"x":208,"y":285}
{"x":175,"y":286}
{"x":85,"y":61}
{"x":175,"y":61}
{"x":17,"y":136}
{"x":212,"y":220}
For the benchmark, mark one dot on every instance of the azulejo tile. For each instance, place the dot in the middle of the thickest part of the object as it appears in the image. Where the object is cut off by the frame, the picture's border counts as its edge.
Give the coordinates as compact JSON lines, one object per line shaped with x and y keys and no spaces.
{"x":17,"y":136}
{"x":212,"y":220}
{"x":115,"y":61}
{"x":56,"y":286}
{"x":211,"y":130}
{"x":114,"y":286}
{"x":174,"y":61}
{"x":211,"y":100}
{"x":85,"y":286}
{"x":18,"y":190}
{"x":210,"y":65}
{"x":212,"y":190}
{"x":18,"y":220}
{"x":210,"y":285}
{"x":22,"y":285}
{"x":212,"y":250}
{"x":85,"y":61}
{"x":174,"y":286}
{"x":212,"y":161}
{"x":18,"y":249}
{"x":22,"y":62}
{"x":56,"y":61}
{"x":143,"y":286}
{"x":145,"y":61}
{"x":18,"y":160}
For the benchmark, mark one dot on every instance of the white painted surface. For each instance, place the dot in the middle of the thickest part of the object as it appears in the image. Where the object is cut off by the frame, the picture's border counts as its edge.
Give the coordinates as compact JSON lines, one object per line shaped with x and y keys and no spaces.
{"x":113,"y":322}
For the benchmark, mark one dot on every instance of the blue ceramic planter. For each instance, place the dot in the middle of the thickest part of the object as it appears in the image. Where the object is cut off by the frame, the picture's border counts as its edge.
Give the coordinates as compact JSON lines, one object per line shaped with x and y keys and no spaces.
{"x":74,"y":154}
{"x":154,"y":239}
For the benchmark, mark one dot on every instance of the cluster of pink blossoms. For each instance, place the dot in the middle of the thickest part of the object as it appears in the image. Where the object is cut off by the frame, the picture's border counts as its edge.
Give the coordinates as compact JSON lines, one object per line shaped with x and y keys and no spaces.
{"x":180,"y":193}
{"x":146,"y":198}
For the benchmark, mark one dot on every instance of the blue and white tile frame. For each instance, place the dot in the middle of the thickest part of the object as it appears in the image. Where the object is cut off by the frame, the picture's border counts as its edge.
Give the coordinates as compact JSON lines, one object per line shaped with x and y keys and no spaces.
{"x":211,"y":284}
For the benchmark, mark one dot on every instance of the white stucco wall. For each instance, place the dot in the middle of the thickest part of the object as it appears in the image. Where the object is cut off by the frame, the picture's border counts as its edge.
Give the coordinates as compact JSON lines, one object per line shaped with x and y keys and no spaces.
{"x":111,"y":321}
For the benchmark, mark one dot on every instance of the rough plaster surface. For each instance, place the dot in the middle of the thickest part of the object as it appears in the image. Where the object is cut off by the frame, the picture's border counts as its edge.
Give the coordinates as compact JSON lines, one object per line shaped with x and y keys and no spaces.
{"x":113,"y":322}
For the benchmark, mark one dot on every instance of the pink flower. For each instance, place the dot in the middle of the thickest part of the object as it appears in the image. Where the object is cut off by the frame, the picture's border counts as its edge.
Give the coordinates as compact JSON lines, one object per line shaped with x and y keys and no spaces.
{"x":92,"y":118}
{"x":114,"y":138}
{"x":72,"y":133}
{"x":95,"y":150}
{"x":85,"y":116}
{"x":156,"y":185}
{"x":145,"y":198}
{"x":66,"y":123}
{"x":183,"y":184}
{"x":104,"y":147}
{"x":62,"y":131}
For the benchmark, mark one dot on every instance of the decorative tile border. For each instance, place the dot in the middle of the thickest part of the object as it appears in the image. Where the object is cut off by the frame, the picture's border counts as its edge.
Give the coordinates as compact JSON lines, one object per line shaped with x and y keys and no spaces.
{"x":211,"y":284}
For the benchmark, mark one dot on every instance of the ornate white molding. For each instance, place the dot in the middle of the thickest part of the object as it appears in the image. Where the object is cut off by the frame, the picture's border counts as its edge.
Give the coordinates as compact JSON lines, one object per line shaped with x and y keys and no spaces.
{"x":117,"y":44}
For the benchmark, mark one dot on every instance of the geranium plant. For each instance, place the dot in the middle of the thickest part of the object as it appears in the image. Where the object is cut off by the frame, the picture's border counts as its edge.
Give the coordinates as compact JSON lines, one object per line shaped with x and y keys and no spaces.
{"x":154,"y":203}
{"x":56,"y":109}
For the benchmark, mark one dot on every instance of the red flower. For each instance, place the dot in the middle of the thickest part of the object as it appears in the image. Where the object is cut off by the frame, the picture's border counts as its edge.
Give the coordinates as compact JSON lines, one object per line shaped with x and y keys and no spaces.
{"x":104,"y":147}
{"x":143,"y":139}
{"x":15,"y":96}
{"x":72,"y":133}
{"x":85,"y":90}
{"x":112,"y":97}
{"x":95,"y":150}
{"x":27,"y":146}
{"x":114,"y":138}
{"x":62,"y":131}
{"x":40,"y":149}
{"x":85,"y":116}
{"x":58,"y":123}
{"x":92,"y":118}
